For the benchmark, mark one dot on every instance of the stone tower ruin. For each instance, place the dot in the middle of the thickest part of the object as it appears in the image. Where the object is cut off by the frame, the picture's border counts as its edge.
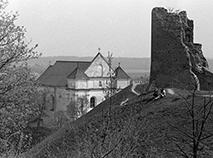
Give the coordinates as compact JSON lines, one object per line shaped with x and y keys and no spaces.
{"x":176,"y":61}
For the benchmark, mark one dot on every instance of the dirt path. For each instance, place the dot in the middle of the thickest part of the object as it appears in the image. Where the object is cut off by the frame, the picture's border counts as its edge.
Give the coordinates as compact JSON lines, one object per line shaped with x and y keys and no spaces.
{"x":133,"y":89}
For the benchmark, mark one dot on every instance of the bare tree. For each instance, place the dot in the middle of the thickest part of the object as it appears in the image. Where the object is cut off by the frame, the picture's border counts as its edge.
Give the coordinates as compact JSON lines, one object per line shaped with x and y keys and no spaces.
{"x":190,"y":126}
{"x":77,"y":107}
{"x":18,"y":88}
{"x":123,"y":138}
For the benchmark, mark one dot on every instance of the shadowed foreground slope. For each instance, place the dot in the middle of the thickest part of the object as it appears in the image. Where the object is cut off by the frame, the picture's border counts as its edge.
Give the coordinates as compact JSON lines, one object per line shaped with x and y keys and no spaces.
{"x":141,"y":127}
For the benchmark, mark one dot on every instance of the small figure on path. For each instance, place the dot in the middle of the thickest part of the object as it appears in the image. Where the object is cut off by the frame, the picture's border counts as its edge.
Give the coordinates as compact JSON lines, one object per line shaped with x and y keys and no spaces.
{"x":159,"y":93}
{"x":156,"y":92}
{"x":163,"y":93}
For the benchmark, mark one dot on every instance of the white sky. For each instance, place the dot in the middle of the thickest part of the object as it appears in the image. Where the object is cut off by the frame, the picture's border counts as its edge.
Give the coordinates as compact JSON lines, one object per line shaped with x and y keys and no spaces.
{"x":123,"y":27}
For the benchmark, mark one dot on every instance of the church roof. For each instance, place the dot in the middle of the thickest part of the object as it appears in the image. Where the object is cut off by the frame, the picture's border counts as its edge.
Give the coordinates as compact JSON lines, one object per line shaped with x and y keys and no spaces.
{"x":121,"y":74}
{"x":99,"y":54}
{"x":78,"y":74}
{"x":56,"y":75}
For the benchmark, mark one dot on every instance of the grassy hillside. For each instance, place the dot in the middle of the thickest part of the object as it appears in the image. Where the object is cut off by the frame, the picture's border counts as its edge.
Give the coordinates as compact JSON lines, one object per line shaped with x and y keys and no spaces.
{"x":141,"y":127}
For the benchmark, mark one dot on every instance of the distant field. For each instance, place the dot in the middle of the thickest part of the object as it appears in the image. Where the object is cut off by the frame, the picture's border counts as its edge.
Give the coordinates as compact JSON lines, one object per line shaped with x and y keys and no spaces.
{"x":135,"y":67}
{"x":137,"y":73}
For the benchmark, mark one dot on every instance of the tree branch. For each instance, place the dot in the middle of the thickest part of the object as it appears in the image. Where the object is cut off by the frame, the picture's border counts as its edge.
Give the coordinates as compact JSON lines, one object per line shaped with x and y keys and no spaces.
{"x":106,"y":154}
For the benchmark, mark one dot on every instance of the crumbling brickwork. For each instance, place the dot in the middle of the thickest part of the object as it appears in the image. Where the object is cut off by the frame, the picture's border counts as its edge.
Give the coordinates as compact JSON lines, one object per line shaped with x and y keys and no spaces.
{"x":176,"y":61}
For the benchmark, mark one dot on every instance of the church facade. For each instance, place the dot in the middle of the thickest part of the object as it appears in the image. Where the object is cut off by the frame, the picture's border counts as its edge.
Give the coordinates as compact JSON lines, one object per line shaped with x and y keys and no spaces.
{"x":67,"y":81}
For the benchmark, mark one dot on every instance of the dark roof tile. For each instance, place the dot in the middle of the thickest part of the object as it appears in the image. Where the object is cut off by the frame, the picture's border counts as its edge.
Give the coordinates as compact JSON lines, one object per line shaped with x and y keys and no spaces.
{"x":78,"y":74}
{"x":57,"y":74}
{"x":121,"y":74}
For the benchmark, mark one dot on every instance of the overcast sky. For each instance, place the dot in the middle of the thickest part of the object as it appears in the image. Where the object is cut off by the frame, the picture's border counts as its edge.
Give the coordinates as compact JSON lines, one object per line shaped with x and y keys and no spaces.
{"x":123,"y":27}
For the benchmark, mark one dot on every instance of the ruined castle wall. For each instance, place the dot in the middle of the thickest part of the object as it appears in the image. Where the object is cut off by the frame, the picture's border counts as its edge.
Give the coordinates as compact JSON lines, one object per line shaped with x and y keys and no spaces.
{"x":175,"y":60}
{"x":170,"y":62}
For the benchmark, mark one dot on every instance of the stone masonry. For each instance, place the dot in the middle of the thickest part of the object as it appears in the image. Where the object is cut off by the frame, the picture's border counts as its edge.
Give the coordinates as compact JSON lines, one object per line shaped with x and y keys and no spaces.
{"x":176,"y":61}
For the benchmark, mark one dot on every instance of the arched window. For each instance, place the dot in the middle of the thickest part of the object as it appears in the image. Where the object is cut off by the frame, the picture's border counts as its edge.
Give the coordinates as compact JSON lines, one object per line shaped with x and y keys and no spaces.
{"x":100,"y":84}
{"x":100,"y":70}
{"x":92,"y":102}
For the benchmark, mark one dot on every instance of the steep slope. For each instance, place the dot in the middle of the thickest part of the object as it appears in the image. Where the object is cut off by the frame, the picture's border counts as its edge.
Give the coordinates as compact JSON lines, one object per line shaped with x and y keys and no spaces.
{"x":115,"y":101}
{"x":138,"y":128}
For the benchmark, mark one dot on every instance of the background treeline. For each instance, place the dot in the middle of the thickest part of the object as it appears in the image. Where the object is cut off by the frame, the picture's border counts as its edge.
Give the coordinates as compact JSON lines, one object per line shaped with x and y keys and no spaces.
{"x":135,"y":67}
